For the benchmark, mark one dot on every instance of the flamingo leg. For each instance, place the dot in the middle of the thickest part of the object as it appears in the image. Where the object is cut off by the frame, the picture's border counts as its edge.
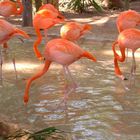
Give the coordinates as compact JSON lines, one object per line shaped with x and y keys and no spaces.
{"x":127,"y":51}
{"x":133,"y":70}
{"x":14,"y":64}
{"x":69,"y":77}
{"x":1,"y":62}
{"x":133,"y":67}
{"x":70,"y":87}
{"x":5,"y":46}
{"x":67,"y":91}
{"x":134,"y":64}
{"x":45,"y":33}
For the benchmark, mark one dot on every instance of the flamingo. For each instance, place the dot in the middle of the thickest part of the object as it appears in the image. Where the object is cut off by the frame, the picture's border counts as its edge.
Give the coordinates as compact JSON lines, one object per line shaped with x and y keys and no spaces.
{"x":73,"y":31}
{"x":52,"y":8}
{"x":127,"y":19}
{"x":7,"y":31}
{"x":44,"y":19}
{"x":129,"y":38}
{"x":8,"y":8}
{"x":63,"y":52}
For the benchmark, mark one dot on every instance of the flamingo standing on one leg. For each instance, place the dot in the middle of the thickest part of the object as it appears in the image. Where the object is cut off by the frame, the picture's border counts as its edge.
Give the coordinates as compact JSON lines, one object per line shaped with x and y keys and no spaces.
{"x":129,"y":38}
{"x":44,"y":19}
{"x":128,"y":19}
{"x":60,"y":51}
{"x":8,"y":8}
{"x":7,"y":31}
{"x":73,"y":31}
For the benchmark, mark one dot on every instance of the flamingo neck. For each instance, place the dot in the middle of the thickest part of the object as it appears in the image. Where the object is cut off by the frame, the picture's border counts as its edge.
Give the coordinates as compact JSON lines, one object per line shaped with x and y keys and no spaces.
{"x":118,"y":58}
{"x":36,"y":76}
{"x":122,"y":50}
{"x":37,"y":42}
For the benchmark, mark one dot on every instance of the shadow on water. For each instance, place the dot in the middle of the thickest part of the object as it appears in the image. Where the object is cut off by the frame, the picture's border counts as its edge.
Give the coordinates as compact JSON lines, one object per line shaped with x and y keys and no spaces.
{"x":101,"y":107}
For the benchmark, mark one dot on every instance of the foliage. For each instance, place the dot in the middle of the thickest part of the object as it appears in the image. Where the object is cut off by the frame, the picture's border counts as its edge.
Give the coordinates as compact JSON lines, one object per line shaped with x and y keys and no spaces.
{"x":50,"y":132}
{"x":82,"y":5}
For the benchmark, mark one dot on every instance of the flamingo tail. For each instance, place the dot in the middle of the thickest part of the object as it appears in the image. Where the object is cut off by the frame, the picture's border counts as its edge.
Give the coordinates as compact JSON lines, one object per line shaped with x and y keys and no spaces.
{"x":89,"y":56}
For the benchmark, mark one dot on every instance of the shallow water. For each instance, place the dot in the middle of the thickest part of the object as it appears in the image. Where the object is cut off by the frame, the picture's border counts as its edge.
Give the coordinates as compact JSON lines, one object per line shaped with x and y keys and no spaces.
{"x":102,"y":107}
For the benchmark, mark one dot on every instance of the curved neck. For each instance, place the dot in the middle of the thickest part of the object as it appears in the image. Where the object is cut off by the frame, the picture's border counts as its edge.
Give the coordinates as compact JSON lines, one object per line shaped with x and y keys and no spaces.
{"x":118,"y":58}
{"x":122,"y":50}
{"x":37,"y":42}
{"x":36,"y":76}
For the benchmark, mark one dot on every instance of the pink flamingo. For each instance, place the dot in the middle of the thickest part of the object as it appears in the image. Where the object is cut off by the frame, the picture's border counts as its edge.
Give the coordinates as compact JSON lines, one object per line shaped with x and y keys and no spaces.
{"x":52,"y":8}
{"x":73,"y":31}
{"x":129,"y":38}
{"x":44,"y":19}
{"x":8,"y":8}
{"x":60,"y":51}
{"x":128,"y":19}
{"x":7,"y":31}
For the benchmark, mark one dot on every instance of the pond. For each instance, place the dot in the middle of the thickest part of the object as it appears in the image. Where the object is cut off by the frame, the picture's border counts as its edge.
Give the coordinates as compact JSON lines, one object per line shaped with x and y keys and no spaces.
{"x":102,"y":107}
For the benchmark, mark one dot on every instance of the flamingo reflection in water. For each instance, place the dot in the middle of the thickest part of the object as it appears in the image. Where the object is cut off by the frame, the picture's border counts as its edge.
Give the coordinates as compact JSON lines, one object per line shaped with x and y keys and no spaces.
{"x":63,"y":52}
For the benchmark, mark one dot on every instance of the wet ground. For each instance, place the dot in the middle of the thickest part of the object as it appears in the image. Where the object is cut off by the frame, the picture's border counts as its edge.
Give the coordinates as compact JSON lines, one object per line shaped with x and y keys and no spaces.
{"x":102,"y":107}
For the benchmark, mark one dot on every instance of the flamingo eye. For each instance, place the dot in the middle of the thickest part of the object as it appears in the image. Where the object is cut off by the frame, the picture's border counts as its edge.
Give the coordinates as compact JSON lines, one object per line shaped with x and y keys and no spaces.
{"x":59,"y":17}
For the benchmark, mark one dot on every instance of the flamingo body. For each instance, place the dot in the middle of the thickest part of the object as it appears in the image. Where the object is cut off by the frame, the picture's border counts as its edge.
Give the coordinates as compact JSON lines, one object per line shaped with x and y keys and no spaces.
{"x":73,"y":31}
{"x":7,"y":31}
{"x":63,"y":52}
{"x":44,"y":19}
{"x":60,"y":51}
{"x":129,"y":38}
{"x":8,"y":8}
{"x":128,"y":19}
{"x":52,"y":8}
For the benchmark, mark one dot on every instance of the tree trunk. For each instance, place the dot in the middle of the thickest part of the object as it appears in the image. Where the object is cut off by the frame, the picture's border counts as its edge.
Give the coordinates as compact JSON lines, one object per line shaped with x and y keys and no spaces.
{"x":27,"y":13}
{"x":38,"y":3}
{"x":53,"y":2}
{"x":126,"y":4}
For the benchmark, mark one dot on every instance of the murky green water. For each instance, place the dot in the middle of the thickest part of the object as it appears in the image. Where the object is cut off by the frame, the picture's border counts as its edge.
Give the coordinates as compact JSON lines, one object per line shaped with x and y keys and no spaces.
{"x":102,"y":107}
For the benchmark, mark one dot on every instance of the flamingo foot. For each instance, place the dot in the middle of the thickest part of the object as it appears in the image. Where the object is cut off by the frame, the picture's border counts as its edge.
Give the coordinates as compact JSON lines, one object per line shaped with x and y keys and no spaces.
{"x":41,"y":58}
{"x":26,"y":99}
{"x":122,"y":77}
